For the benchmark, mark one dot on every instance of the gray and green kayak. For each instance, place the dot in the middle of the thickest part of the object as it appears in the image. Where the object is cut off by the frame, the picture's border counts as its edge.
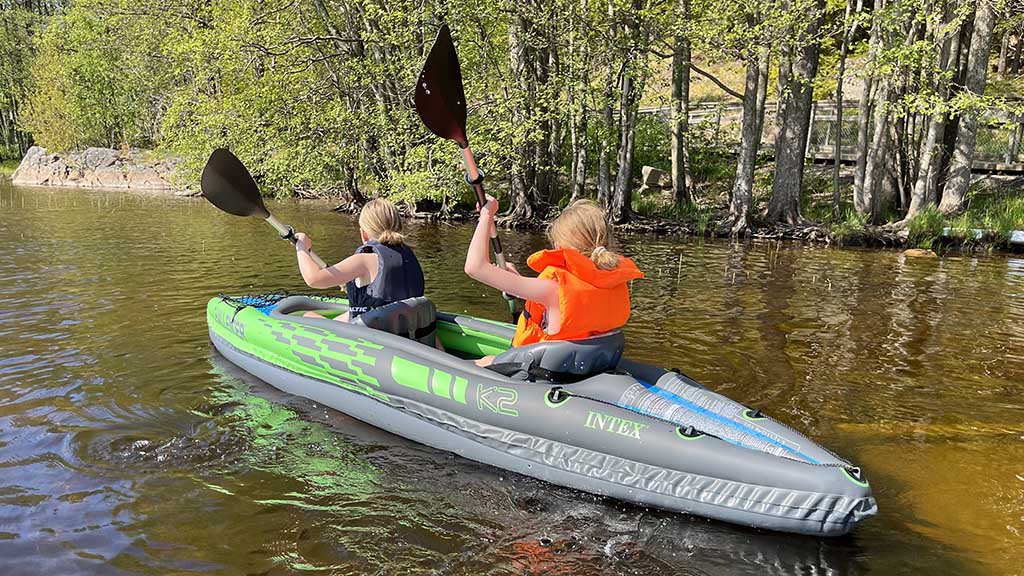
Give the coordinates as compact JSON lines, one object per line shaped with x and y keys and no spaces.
{"x":581,"y":417}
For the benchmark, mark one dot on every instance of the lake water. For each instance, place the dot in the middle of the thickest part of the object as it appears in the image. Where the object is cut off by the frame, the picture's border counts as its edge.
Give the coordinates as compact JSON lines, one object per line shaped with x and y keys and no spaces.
{"x":128,"y":446}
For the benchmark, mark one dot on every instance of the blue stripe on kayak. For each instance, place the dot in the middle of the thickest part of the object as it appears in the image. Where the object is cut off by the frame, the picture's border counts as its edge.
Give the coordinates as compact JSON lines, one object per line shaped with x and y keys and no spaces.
{"x":659,"y":417}
{"x":719,"y":418}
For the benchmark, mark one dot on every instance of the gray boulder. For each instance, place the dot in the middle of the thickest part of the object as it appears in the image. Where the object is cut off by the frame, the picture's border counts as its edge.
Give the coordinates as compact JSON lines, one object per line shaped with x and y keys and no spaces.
{"x":654,"y":178}
{"x":96,"y":168}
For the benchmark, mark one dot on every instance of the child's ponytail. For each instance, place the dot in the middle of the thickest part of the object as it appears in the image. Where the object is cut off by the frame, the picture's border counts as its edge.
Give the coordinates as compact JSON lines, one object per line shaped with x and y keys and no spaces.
{"x":604,"y":258}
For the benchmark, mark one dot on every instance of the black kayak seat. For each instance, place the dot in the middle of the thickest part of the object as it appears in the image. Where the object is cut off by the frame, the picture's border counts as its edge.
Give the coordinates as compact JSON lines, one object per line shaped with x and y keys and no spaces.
{"x":562,"y":361}
{"x":413,"y":318}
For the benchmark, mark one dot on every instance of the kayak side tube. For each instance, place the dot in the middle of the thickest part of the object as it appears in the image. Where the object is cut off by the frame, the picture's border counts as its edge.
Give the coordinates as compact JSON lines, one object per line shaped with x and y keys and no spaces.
{"x":584,"y":443}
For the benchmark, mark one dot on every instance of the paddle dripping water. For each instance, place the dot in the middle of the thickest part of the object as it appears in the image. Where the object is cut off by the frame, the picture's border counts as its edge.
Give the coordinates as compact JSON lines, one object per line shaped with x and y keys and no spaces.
{"x":128,"y":447}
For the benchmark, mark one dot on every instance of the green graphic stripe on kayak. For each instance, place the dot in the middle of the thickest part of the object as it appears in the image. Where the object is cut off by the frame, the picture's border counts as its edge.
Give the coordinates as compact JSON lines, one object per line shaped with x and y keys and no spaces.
{"x":429,"y":381}
{"x":305,"y":350}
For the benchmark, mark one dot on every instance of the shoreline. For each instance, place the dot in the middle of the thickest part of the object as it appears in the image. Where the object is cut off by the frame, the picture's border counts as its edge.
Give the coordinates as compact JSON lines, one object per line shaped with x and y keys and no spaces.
{"x":138,"y":171}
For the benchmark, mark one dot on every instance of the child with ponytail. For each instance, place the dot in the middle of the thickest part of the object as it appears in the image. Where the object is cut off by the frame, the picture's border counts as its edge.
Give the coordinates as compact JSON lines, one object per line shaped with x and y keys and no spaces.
{"x":383,"y":270}
{"x":582,"y":288}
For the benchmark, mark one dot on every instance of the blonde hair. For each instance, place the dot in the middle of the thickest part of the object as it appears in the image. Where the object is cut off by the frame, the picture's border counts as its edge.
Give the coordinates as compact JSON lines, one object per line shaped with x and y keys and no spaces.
{"x":382,"y":221}
{"x":582,"y":226}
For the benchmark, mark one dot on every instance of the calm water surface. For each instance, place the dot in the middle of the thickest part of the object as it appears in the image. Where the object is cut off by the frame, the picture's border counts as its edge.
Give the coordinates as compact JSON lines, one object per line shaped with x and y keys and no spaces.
{"x":127,"y":446}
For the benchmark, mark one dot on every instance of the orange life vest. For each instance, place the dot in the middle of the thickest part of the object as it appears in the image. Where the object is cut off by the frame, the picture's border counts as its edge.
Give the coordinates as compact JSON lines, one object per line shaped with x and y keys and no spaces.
{"x":591,"y":301}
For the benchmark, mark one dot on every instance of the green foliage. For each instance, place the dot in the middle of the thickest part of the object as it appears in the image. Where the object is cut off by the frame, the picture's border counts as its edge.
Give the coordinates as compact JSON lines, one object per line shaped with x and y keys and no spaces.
{"x":7,"y":167}
{"x":1008,"y":218}
{"x":850,"y":225}
{"x":98,"y":80}
{"x":313,"y":101}
{"x":926,"y":228}
{"x":1000,"y":211}
{"x":656,"y":204}
{"x":709,"y":165}
{"x":653,"y":139}
{"x":18,"y":29}
{"x":315,"y":97}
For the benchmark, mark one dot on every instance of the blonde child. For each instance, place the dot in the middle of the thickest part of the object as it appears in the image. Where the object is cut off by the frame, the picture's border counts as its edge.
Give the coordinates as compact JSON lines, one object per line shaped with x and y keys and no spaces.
{"x":383,"y":270}
{"x":582,"y":288}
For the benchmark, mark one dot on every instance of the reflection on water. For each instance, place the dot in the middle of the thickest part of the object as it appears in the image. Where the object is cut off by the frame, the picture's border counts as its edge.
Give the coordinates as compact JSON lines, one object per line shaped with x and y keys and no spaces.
{"x":128,"y":446}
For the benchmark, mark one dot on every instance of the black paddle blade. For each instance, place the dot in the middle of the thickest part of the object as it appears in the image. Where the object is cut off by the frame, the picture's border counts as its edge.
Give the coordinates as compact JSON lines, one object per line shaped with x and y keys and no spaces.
{"x":440,"y":99}
{"x":229,"y":186}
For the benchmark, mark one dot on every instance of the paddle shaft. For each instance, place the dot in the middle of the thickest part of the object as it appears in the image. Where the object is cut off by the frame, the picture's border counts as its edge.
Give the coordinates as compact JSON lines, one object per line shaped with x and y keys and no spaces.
{"x":288,"y":233}
{"x":475,"y":179}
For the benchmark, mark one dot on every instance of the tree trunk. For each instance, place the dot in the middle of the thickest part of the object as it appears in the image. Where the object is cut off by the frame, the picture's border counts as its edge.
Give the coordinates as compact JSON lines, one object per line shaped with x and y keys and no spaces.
{"x":604,"y":176}
{"x":578,"y":80}
{"x":754,"y":93}
{"x":794,"y":125}
{"x":621,"y":208}
{"x":555,"y":142}
{"x":864,"y":111}
{"x":604,"y":180}
{"x":977,"y":72}
{"x":543,"y":173}
{"x":1018,"y":60}
{"x":579,"y":157}
{"x":895,"y":154}
{"x":849,"y":29}
{"x":681,"y":111}
{"x":1004,"y":48}
{"x":874,"y":166}
{"x":924,"y":191}
{"x":520,"y":181}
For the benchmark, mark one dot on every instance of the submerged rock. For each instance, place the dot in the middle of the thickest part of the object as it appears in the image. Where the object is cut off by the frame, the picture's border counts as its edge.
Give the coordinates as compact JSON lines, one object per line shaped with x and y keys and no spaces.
{"x":97,"y":168}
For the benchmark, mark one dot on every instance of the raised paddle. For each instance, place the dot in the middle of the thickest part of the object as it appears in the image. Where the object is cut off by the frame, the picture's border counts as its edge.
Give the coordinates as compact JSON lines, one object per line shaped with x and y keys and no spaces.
{"x":441,"y":105}
{"x":229,"y":186}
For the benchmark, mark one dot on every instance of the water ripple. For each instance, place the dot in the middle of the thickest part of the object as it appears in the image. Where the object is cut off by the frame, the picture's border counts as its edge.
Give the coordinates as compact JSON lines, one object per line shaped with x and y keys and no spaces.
{"x":128,"y":447}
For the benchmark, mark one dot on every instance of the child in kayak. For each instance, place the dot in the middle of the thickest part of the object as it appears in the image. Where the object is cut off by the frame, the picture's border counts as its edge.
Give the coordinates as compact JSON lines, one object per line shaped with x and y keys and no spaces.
{"x":582,"y":288}
{"x":383,"y":270}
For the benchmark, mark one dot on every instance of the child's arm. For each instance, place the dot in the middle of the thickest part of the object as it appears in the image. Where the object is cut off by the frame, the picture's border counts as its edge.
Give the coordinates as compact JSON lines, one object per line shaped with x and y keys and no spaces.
{"x":338,"y":275}
{"x":478,"y":266}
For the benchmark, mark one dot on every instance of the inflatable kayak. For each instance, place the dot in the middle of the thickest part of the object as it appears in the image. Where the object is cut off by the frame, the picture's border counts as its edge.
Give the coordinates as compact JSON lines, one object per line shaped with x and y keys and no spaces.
{"x":575,"y":414}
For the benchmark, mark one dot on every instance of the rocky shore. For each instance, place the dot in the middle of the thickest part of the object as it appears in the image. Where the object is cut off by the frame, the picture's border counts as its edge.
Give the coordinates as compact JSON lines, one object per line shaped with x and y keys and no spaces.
{"x":98,"y":168}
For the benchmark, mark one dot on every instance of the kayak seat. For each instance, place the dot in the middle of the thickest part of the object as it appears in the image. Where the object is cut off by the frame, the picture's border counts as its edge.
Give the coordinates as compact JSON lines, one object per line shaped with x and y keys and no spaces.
{"x":413,"y":318}
{"x":562,"y":361}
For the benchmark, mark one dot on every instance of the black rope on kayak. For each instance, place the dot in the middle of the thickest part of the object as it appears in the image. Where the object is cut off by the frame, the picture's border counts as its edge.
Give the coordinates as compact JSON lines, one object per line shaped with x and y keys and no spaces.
{"x":264,"y":302}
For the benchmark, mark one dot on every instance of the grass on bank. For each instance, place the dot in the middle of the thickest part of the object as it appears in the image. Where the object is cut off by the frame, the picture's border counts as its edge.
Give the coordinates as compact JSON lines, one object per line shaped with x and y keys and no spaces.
{"x":996,"y":214}
{"x":7,"y":167}
{"x":701,"y":218}
{"x":997,"y":210}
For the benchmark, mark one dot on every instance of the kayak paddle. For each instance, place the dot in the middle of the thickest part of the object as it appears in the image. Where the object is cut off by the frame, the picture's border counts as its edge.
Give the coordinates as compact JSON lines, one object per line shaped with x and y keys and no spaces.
{"x":229,"y":186}
{"x":441,"y":105}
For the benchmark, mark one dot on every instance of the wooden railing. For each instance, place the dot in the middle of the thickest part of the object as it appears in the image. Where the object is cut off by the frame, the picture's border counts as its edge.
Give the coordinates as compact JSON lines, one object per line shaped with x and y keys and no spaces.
{"x":1000,"y":143}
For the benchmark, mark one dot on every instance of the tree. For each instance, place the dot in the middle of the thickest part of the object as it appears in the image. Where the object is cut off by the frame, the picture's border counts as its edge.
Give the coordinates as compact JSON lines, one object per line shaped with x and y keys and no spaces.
{"x":755,"y":92}
{"x":681,"y":106}
{"x":794,"y":119}
{"x":977,"y":73}
{"x":634,"y":73}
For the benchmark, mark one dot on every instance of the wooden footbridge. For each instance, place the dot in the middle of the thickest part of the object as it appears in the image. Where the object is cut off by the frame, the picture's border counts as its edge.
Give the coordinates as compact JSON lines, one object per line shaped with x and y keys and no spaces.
{"x":1000,"y":144}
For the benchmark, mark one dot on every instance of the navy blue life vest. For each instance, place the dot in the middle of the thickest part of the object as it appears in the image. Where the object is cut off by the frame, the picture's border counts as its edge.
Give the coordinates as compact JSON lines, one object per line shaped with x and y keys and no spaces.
{"x":399,"y":276}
